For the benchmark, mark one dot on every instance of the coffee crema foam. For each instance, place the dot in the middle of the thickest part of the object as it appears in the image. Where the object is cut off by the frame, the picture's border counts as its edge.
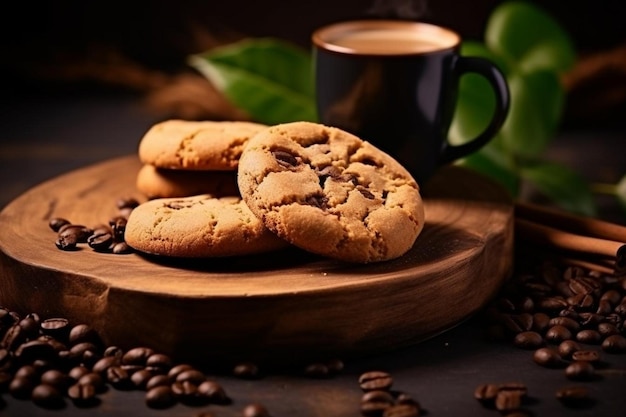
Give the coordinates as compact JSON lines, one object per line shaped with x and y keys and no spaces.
{"x":398,"y":38}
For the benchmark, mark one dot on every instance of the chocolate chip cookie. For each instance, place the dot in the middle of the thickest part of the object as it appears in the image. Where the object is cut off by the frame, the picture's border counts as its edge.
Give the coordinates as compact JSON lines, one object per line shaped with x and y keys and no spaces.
{"x":331,"y":193}
{"x":196,"y":145}
{"x":197,"y":227}
{"x":156,"y":182}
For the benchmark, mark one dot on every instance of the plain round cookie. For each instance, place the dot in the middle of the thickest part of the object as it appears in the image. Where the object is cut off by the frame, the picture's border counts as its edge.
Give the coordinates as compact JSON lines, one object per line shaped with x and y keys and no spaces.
{"x":156,"y":182}
{"x":198,"y":227}
{"x":196,"y":145}
{"x":331,"y":193}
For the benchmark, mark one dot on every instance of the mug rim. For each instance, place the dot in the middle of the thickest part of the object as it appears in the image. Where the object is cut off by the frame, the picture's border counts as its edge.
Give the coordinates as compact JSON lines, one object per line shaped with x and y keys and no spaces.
{"x":323,"y":36}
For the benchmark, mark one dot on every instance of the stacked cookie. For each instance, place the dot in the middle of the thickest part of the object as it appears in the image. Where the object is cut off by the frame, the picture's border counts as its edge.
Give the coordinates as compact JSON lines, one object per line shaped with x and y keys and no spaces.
{"x":304,"y":184}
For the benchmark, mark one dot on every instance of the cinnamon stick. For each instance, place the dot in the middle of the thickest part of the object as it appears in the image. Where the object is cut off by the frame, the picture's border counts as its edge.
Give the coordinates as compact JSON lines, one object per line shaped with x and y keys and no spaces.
{"x":574,"y":223}
{"x":568,"y":241}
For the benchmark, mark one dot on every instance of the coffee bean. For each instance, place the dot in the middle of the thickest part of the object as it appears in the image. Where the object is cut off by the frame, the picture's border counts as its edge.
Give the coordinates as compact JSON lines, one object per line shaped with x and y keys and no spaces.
{"x":121,"y":248}
{"x":58,"y":328}
{"x":548,"y":357}
{"x":34,"y":349}
{"x":508,"y":401}
{"x":374,"y":408}
{"x":113,"y":351}
{"x":140,"y":378}
{"x":514,"y":386}
{"x":56,"y":378}
{"x":83,"y":333}
{"x":591,"y":337}
{"x":13,"y":337}
{"x":158,"y":380}
{"x":101,"y":366}
{"x":404,"y":398}
{"x":118,"y":377}
{"x":375,"y":380}
{"x":580,"y":371}
{"x":47,"y":396}
{"x":607,"y":329}
{"x":552,"y":303}
{"x":175,"y":370}
{"x":378,"y":396}
{"x":586,"y":356}
{"x":75,"y":232}
{"x":528,"y":340}
{"x":541,"y":322}
{"x":56,"y":223}
{"x":77,"y":372}
{"x":118,"y":226}
{"x":160,"y":397}
{"x":255,"y":410}
{"x":587,"y":319}
{"x":21,"y":387}
{"x":573,"y":396}
{"x":567,"y":322}
{"x":186,"y":392}
{"x":100,"y":241}
{"x":30,"y":325}
{"x":137,"y":356}
{"x":82,"y":394}
{"x":27,"y":371}
{"x":486,"y":393}
{"x":614,"y":344}
{"x":402,"y":410}
{"x":93,"y":379}
{"x":567,"y":348}
{"x":246,"y":370}
{"x":213,"y":392}
{"x":611,"y":296}
{"x":191,"y":375}
{"x":558,"y":333}
{"x":159,"y":361}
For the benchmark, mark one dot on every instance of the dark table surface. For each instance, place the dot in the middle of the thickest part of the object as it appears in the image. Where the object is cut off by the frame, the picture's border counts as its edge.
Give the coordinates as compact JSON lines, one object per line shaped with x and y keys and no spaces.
{"x":44,"y":135}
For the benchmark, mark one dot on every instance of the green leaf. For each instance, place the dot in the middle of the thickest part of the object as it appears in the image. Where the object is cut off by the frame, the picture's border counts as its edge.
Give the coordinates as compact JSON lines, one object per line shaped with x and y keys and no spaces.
{"x":537,"y":101}
{"x":525,"y":34}
{"x":270,"y":79}
{"x":561,"y":185}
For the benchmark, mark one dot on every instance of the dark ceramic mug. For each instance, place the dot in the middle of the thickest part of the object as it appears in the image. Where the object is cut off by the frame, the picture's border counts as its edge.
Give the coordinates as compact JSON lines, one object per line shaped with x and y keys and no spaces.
{"x":394,"y":83}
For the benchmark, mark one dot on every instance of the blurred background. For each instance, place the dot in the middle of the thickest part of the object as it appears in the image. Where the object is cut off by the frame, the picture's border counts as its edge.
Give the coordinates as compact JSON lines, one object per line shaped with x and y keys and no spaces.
{"x":141,"y":46}
{"x":83,"y":80}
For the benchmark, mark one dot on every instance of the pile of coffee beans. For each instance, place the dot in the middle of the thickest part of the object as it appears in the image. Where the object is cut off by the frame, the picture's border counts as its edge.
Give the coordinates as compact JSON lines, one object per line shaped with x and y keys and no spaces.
{"x":569,"y":317}
{"x":379,"y":400}
{"x":108,"y":238}
{"x":52,"y":362}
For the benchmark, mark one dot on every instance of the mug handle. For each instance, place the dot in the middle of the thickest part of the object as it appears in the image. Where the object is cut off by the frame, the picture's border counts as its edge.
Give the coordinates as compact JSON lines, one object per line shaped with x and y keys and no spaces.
{"x":497,"y":80}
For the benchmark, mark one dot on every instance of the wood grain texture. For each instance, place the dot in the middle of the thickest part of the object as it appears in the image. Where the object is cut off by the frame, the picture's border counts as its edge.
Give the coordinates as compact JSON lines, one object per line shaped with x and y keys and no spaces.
{"x":287,"y":304}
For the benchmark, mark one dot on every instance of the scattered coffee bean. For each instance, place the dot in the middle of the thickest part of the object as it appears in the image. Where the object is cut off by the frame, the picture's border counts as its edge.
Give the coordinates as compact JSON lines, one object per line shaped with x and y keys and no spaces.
{"x":567,"y":348}
{"x":47,"y":396}
{"x":586,"y":356}
{"x":557,"y":334}
{"x":486,"y":393}
{"x":82,"y":395}
{"x":548,"y":357}
{"x":588,"y":336}
{"x":158,"y":380}
{"x":614,"y":344}
{"x":160,"y":397}
{"x":375,"y":380}
{"x":374,"y":408}
{"x":56,"y":223}
{"x":508,"y":401}
{"x":213,"y":392}
{"x":255,"y":410}
{"x":246,"y":370}
{"x":580,"y":371}
{"x":573,"y":396}
{"x":528,"y":340}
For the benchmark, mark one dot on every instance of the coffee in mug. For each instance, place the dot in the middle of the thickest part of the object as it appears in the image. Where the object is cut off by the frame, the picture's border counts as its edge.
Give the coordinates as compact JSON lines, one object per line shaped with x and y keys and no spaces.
{"x":394,"y":83}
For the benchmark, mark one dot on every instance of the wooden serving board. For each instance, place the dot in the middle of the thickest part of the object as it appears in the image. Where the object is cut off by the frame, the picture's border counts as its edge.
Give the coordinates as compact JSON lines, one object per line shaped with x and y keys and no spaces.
{"x":287,"y":304}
